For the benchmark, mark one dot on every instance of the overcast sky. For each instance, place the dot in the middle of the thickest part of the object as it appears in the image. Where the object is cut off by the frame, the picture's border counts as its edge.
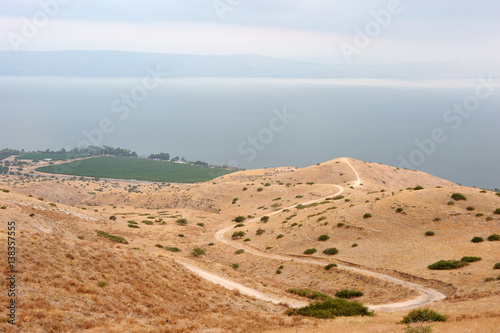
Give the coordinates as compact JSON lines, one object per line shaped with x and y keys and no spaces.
{"x":418,"y":30}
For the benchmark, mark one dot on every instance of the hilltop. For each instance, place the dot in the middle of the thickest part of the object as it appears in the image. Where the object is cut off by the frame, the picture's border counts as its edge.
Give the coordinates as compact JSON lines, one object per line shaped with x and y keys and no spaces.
{"x":375,"y":216}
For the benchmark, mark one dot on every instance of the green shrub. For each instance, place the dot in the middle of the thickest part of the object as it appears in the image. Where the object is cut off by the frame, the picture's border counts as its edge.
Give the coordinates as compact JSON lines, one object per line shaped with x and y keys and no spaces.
{"x":278,"y":271}
{"x":399,"y":210}
{"x":330,"y":266}
{"x":111,"y":237}
{"x":477,"y":239}
{"x":181,"y":221}
{"x":260,"y":232}
{"x":450,"y":203}
{"x":247,"y":240}
{"x":235,"y":265}
{"x":496,"y":266}
{"x":331,"y":308}
{"x":447,"y":264}
{"x":102,"y":284}
{"x":159,"y":245}
{"x":260,"y":189}
{"x":338,"y":197}
{"x":418,"y":187}
{"x":280,"y":236}
{"x":489,"y":218}
{"x":497,"y":211}
{"x":172,"y":249}
{"x":437,"y":219}
{"x":423,"y":315}
{"x":458,"y":196}
{"x":264,"y":219}
{"x":331,"y":251}
{"x":239,"y":225}
{"x":430,"y":233}
{"x":310,"y":294}
{"x":133,"y":226}
{"x":200,"y":224}
{"x":470,"y":259}
{"x":147,"y":222}
{"x":479,"y":214}
{"x":180,"y":235}
{"x":112,"y":217}
{"x":367,"y":215}
{"x":354,"y":245}
{"x":238,"y":234}
{"x":323,"y":238}
{"x":418,"y":329}
{"x":340,"y":224}
{"x":310,"y":251}
{"x":348,"y":293}
{"x":494,"y":237}
{"x":470,"y":208}
{"x":240,"y":251}
{"x":239,"y":218}
{"x":197,"y":252}
{"x":3,"y":207}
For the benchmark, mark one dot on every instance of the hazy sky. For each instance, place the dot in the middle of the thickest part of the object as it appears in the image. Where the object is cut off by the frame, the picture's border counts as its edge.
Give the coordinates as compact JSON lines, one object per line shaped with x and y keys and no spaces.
{"x":402,"y":31}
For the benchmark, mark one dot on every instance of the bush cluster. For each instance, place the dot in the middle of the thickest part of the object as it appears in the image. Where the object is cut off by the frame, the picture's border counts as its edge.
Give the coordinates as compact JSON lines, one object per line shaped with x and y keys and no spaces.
{"x":423,"y":315}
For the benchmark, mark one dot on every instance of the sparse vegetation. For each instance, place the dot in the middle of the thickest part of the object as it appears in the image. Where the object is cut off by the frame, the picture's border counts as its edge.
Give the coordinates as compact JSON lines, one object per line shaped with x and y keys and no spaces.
{"x":264,"y":219}
{"x":348,"y":293}
{"x":260,"y":232}
{"x":447,"y":264}
{"x":331,"y":251}
{"x":330,"y":266}
{"x":494,"y":237}
{"x":172,"y":249}
{"x":331,"y":308}
{"x":238,"y":234}
{"x":197,"y":252}
{"x":458,"y":196}
{"x":111,"y":237}
{"x":423,"y":315}
{"x":181,"y":221}
{"x":470,"y":259}
{"x":239,"y":218}
{"x":477,"y":239}
{"x":240,"y":251}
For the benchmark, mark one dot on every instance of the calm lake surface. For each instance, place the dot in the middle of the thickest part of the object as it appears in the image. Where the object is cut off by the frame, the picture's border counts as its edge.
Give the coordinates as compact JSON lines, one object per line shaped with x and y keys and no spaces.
{"x":254,"y":123}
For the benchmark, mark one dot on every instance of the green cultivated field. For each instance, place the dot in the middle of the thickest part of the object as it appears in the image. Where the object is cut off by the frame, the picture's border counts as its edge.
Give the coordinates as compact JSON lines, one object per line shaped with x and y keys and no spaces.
{"x":3,"y":157}
{"x":54,"y":156}
{"x":136,"y":168}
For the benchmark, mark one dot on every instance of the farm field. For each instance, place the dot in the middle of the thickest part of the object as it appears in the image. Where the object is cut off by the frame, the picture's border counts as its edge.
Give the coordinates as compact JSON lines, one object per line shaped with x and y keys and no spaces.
{"x":136,"y":168}
{"x":2,"y":157}
{"x":35,"y":157}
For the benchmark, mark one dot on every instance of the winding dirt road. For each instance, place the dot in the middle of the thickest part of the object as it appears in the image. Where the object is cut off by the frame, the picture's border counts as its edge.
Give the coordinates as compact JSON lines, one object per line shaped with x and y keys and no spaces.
{"x":427,"y":295}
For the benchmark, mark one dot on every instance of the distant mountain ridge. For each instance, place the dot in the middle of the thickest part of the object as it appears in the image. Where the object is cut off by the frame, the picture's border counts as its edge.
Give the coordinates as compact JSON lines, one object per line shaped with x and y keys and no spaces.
{"x":133,"y":64}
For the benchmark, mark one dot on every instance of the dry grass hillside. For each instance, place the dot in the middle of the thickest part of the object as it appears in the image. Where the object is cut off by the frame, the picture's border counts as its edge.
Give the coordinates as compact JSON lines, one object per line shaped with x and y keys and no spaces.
{"x":71,"y":279}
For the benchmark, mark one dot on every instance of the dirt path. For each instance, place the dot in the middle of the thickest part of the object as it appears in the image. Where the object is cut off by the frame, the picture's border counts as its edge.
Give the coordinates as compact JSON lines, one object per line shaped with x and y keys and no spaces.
{"x":427,"y":295}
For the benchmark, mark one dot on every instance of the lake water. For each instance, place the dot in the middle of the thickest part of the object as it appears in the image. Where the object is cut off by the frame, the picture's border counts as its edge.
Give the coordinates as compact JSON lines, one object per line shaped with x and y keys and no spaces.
{"x":256,"y":123}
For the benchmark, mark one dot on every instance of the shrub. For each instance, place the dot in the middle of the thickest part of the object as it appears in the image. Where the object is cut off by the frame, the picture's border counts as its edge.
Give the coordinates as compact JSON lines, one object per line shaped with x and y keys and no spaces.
{"x":418,"y":329}
{"x":239,"y":218}
{"x":260,"y":232}
{"x":399,"y":210}
{"x":3,"y":207}
{"x":323,"y":238}
{"x":479,"y":214}
{"x":239,"y":225}
{"x":418,"y":187}
{"x":423,"y":315}
{"x":338,"y":197}
{"x":159,"y":245}
{"x":172,"y":249}
{"x":180,"y":235}
{"x":354,"y":245}
{"x":238,"y":234}
{"x":102,"y":284}
{"x":280,"y":236}
{"x":310,"y":251}
{"x":470,"y":208}
{"x":235,"y":265}
{"x":494,"y":237}
{"x":278,"y":271}
{"x":496,"y":266}
{"x":489,"y":218}
{"x":430,"y":233}
{"x":367,"y":215}
{"x":181,"y":221}
{"x":458,"y":196}
{"x":330,"y":266}
{"x":470,"y":259}
{"x":489,"y":279}
{"x":264,"y":219}
{"x":437,"y":219}
{"x":340,"y":224}
{"x":112,"y":217}
{"x":477,"y":239}
{"x":331,"y":251}
{"x":240,"y":251}
{"x":260,"y":189}
{"x":348,"y":293}
{"x":197,"y":252}
{"x":450,"y":203}
{"x":245,"y":188}
{"x":133,"y":226}
{"x":497,"y":211}
{"x":308,"y":293}
{"x":111,"y":237}
{"x":247,"y":240}
{"x":201,"y":224}
{"x":447,"y":264}
{"x":331,"y":308}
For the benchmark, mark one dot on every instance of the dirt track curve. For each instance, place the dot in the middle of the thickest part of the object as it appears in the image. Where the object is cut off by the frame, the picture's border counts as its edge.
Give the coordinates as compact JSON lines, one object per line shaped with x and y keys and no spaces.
{"x":427,"y":295}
